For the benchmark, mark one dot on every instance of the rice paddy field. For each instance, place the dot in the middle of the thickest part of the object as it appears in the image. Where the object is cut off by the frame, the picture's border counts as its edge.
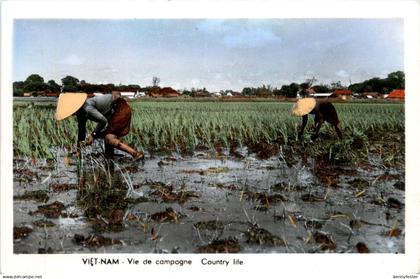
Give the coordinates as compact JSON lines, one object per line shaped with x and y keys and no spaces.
{"x":218,"y":177}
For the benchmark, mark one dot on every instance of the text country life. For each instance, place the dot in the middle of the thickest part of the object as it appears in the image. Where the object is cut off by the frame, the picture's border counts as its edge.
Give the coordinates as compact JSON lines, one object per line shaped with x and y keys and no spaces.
{"x":210,"y":262}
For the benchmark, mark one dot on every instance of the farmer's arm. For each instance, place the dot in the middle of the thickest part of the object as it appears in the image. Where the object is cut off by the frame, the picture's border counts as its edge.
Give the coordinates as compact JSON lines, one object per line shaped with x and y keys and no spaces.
{"x":96,"y":116}
{"x":302,"y":127}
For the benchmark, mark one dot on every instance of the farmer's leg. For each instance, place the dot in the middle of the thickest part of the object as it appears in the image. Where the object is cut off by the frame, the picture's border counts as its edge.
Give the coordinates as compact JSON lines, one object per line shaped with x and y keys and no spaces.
{"x":302,"y":127}
{"x":338,"y":130}
{"x":114,"y":141}
{"x":109,"y":150}
{"x":109,"y":154}
{"x":336,"y":124}
{"x":318,"y":125}
{"x":331,"y":116}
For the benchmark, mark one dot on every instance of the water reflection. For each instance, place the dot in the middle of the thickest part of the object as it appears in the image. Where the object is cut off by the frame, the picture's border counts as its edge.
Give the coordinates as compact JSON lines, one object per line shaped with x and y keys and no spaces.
{"x":102,"y":196}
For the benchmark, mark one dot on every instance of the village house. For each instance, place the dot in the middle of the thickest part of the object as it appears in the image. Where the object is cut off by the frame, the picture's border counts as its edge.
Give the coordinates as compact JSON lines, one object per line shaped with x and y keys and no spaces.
{"x":370,"y":95}
{"x":342,"y":94}
{"x":41,"y":94}
{"x":310,"y":92}
{"x":322,"y":95}
{"x":167,"y":92}
{"x":216,"y":94}
{"x":129,"y":95}
{"x":397,"y":94}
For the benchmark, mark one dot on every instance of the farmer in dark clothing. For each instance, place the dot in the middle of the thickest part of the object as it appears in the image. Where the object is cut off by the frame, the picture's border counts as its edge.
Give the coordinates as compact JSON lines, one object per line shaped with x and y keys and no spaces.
{"x":110,"y":111}
{"x":323,"y":111}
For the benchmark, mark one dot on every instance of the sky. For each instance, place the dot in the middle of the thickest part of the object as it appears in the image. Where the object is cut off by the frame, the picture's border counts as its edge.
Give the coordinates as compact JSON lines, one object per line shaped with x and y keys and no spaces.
{"x":217,"y":54}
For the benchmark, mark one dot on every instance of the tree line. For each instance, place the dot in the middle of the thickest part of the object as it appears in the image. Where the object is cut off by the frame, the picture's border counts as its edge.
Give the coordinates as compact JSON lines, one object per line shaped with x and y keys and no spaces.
{"x":35,"y":83}
{"x":394,"y":80}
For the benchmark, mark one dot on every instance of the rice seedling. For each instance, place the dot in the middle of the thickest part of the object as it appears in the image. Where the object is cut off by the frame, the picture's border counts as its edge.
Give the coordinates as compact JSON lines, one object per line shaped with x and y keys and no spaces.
{"x":175,"y":126}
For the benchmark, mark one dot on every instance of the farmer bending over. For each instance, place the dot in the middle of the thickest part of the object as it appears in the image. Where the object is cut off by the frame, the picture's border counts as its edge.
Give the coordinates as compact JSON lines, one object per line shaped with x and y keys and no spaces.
{"x":323,"y":111}
{"x":110,"y":111}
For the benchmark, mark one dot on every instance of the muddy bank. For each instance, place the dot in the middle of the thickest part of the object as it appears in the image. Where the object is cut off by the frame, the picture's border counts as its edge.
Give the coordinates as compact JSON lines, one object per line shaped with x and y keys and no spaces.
{"x":208,"y":202}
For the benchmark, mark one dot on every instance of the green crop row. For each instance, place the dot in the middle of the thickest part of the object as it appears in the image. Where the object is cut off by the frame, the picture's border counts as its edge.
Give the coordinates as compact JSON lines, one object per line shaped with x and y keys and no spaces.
{"x":185,"y":125}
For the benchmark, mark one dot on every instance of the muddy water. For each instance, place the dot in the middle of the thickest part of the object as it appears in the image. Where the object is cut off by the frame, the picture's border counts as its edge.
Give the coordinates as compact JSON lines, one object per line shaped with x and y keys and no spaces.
{"x":206,"y":203}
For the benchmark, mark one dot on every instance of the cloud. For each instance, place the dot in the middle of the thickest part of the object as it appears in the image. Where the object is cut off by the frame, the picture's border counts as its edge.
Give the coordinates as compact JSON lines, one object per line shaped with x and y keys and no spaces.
{"x":325,"y":43}
{"x":250,"y":39}
{"x":110,"y":70}
{"x":72,"y":60}
{"x":195,"y":82}
{"x":342,"y":73}
{"x":213,"y":26}
{"x":238,"y":34}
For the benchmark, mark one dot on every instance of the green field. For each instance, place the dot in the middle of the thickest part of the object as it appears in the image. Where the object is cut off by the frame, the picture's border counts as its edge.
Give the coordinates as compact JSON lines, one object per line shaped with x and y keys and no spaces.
{"x":181,"y":126}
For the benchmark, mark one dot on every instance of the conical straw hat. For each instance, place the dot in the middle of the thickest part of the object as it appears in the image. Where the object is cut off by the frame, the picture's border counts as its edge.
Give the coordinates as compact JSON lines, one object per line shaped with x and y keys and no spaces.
{"x":303,"y":106}
{"x":69,"y":103}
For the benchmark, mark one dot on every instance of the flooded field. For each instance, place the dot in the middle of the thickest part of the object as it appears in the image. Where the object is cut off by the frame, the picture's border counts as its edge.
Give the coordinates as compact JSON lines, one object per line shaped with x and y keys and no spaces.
{"x":217,"y":178}
{"x":207,"y":202}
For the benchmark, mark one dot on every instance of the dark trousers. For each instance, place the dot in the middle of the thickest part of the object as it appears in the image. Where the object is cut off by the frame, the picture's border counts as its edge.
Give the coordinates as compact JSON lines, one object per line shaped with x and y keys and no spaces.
{"x":109,"y":151}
